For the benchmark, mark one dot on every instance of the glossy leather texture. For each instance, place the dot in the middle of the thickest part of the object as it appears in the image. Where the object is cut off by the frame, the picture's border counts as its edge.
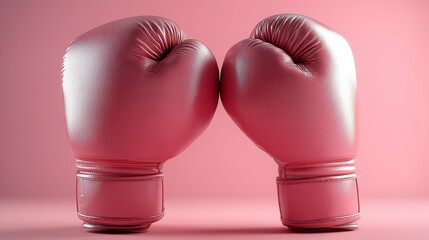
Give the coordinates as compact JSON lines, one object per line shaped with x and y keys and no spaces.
{"x":291,"y":88}
{"x":136,"y":93}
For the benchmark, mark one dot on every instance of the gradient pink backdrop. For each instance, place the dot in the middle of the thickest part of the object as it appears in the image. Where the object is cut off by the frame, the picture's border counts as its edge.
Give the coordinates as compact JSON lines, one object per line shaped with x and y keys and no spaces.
{"x":389,"y":40}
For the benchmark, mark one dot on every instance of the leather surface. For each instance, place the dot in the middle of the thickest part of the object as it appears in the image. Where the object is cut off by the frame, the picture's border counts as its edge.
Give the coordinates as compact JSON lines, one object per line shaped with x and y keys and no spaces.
{"x":136,"y":89}
{"x":291,"y":88}
{"x":136,"y":93}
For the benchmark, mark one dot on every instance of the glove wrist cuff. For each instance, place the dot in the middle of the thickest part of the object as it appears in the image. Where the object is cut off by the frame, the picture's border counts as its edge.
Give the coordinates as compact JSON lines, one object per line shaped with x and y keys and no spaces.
{"x":319,"y":202}
{"x":119,"y":201}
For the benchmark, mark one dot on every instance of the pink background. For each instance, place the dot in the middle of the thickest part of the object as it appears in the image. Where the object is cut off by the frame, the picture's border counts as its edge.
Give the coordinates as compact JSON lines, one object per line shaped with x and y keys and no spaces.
{"x":389,"y":40}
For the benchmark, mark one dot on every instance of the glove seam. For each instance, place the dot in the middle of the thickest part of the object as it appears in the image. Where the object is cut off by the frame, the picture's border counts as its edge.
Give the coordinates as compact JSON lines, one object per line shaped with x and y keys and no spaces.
{"x":101,"y":219}
{"x":290,"y":182}
{"x":333,"y":219}
{"x":118,"y":179}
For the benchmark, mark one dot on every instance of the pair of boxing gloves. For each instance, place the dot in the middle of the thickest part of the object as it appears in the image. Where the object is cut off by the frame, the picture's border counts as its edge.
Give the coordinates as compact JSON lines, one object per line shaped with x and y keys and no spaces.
{"x":137,"y":93}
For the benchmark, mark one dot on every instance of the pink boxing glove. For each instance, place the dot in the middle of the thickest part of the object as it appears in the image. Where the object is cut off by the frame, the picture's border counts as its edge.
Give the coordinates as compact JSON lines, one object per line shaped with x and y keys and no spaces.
{"x":136,"y":94}
{"x":291,"y":87}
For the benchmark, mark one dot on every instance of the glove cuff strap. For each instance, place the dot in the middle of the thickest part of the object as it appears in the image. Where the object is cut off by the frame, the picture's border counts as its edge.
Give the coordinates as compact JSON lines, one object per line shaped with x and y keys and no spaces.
{"x":124,"y":202}
{"x":319,"y":202}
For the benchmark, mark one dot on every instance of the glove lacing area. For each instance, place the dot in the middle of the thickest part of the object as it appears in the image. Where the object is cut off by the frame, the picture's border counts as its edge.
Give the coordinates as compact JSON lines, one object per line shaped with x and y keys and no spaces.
{"x":119,"y":193}
{"x":319,"y":195}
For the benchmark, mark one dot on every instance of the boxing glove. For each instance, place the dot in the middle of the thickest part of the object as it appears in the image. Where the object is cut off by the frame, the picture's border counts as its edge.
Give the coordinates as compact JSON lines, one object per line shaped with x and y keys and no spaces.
{"x":291,"y":88}
{"x":136,"y":93}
